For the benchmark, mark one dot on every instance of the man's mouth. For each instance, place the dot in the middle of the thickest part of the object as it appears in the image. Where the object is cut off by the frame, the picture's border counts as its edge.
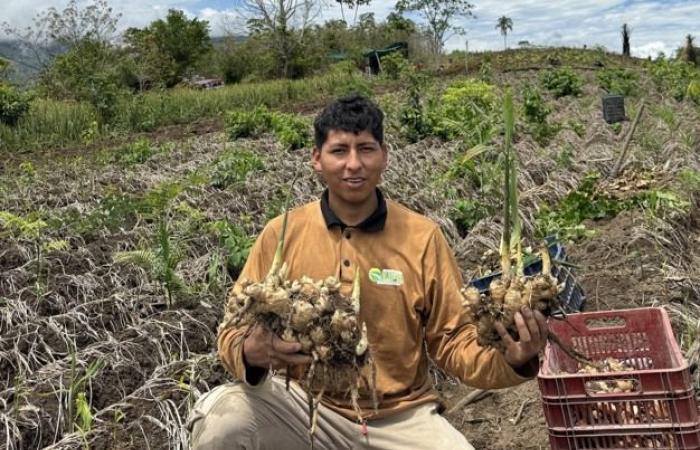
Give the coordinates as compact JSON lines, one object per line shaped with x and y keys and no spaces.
{"x":354,"y":181}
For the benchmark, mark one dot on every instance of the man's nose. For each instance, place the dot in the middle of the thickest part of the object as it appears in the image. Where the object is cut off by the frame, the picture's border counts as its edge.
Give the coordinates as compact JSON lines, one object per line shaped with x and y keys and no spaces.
{"x":353,"y":162}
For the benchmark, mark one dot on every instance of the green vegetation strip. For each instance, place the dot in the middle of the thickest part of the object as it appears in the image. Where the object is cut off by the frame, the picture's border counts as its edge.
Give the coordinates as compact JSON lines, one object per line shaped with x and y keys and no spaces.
{"x":57,"y":124}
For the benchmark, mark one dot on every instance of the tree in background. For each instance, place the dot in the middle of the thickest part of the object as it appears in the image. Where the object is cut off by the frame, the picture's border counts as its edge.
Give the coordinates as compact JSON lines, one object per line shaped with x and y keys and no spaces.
{"x":167,"y":49}
{"x":55,"y":31}
{"x":504,"y":24}
{"x":284,"y":24}
{"x":87,"y":72}
{"x":689,"y":53}
{"x":4,"y":68}
{"x":352,"y":4}
{"x":86,"y":66}
{"x":626,"y":40}
{"x":440,"y":16}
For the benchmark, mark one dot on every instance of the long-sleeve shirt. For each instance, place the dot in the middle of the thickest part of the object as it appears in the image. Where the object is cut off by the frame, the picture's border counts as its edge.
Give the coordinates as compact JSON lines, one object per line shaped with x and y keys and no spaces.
{"x":410,"y":301}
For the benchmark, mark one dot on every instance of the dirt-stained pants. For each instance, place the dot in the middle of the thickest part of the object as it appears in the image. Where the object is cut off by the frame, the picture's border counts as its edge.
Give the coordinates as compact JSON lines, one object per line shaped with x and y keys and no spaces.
{"x":267,"y":416}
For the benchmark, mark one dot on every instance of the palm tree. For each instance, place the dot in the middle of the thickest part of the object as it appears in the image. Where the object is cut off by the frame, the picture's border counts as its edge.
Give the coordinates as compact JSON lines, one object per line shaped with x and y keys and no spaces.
{"x":505,"y":24}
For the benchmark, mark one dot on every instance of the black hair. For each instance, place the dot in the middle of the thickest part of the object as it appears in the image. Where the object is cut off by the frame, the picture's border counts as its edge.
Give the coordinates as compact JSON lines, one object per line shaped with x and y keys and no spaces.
{"x":354,"y":113}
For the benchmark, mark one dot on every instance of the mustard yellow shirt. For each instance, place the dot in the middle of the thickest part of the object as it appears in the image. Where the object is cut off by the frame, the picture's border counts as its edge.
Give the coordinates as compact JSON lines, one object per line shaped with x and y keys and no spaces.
{"x":410,"y":301}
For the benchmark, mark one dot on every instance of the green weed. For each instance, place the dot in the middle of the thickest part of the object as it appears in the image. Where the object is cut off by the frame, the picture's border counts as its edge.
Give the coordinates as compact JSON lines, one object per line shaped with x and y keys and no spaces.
{"x":233,"y":168}
{"x":562,"y":82}
{"x":618,"y":81}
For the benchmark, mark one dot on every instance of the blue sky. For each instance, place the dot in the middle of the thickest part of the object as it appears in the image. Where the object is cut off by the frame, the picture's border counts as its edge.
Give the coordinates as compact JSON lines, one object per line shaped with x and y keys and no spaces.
{"x":656,"y":25}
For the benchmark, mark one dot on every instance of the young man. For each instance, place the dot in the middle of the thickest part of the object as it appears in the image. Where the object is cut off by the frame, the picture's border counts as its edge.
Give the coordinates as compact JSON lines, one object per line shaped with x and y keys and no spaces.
{"x":410,"y":303}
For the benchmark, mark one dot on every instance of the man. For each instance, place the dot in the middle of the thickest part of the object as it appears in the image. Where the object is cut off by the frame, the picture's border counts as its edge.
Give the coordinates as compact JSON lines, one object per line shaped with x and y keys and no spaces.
{"x":410,"y":302}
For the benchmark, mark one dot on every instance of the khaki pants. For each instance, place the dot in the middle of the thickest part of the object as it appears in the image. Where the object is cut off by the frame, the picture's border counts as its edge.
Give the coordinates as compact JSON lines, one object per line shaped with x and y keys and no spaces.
{"x":267,"y":416}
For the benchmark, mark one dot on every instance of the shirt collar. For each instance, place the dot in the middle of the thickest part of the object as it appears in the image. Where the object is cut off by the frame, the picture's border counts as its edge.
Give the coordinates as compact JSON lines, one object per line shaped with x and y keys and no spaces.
{"x":375,"y":221}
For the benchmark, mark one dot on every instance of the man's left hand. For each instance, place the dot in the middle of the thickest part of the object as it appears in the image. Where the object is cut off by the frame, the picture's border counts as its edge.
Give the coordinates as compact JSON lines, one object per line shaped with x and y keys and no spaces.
{"x":532,"y":331}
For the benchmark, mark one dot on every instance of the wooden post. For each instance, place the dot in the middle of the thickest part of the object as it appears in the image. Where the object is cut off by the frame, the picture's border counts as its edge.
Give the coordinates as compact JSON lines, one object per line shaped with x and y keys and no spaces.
{"x":623,"y":153}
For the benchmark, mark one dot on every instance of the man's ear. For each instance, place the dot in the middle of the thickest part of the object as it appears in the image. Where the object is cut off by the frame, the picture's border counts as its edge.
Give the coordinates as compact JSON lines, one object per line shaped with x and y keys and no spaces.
{"x":316,"y":159}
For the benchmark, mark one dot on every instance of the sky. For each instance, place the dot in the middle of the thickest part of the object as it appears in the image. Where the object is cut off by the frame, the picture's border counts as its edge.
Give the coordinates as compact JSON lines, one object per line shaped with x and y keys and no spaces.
{"x":655,"y":25}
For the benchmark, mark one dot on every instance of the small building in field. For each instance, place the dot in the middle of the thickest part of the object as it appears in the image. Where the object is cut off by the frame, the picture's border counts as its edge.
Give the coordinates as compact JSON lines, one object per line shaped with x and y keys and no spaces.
{"x":374,"y":56}
{"x":208,"y":83}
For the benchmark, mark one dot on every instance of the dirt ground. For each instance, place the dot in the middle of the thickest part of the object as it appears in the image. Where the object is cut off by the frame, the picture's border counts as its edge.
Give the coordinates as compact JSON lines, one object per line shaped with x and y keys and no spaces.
{"x":81,"y":312}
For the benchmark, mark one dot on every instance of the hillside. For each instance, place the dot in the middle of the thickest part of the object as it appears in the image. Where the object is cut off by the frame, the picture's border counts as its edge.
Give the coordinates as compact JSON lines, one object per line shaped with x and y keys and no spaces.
{"x":74,"y":321}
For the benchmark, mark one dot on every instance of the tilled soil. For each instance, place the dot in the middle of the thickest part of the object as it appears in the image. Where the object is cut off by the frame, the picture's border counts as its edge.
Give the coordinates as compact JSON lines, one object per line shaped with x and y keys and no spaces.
{"x":76,"y":308}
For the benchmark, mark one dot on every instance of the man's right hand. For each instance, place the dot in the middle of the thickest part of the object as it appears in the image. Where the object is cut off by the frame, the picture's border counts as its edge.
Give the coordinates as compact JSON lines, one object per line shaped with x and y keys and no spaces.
{"x":265,"y":350}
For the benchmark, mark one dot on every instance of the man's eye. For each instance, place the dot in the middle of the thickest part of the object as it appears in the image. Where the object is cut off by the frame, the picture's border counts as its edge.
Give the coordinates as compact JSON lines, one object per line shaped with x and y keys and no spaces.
{"x":367,"y":149}
{"x":337,"y":150}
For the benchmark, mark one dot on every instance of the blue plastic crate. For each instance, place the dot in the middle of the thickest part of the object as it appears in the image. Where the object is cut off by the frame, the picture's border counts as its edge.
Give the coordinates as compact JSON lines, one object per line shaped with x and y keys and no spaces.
{"x":571,"y":297}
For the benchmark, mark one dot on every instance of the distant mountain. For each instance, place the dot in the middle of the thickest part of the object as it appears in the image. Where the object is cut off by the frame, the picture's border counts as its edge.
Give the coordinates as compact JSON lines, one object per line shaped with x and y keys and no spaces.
{"x":24,"y":61}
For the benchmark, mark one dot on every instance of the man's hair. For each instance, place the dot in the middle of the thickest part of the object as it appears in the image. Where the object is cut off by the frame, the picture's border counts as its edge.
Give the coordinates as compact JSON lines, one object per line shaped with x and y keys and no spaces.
{"x":353,"y":113}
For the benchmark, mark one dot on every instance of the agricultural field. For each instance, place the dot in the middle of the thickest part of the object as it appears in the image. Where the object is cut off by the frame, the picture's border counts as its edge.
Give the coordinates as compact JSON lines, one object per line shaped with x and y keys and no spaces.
{"x":115,"y":259}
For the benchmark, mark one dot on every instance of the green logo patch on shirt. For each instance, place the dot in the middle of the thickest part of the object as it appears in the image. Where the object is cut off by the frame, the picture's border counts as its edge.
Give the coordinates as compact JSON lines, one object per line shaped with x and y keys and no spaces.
{"x":386,"y":277}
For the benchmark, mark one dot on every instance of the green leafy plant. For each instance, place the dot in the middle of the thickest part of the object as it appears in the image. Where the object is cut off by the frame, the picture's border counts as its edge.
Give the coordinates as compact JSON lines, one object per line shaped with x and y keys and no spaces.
{"x":79,"y":413}
{"x":534,"y":108}
{"x":618,"y":81}
{"x":467,"y":110}
{"x":674,"y":76}
{"x":235,"y":242}
{"x":394,"y":66}
{"x":587,"y":202}
{"x":693,"y":91}
{"x":467,"y":212}
{"x":565,"y":220}
{"x":689,"y":180}
{"x":32,"y":229}
{"x":565,"y":156}
{"x":561,"y":82}
{"x":412,"y":115}
{"x":233,"y":168}
{"x":136,"y":152}
{"x":13,"y":104}
{"x":241,"y":124}
{"x":536,"y":113}
{"x":84,"y":414}
{"x":160,"y":263}
{"x":292,"y":131}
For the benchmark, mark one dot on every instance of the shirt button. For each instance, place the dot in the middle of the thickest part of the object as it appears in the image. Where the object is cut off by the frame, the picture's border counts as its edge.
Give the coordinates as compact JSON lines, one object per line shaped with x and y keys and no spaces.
{"x":346,"y":263}
{"x":347,"y":234}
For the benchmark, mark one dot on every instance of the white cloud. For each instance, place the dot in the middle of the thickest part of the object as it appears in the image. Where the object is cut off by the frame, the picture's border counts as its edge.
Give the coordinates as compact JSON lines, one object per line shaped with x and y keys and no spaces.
{"x":651,"y":49}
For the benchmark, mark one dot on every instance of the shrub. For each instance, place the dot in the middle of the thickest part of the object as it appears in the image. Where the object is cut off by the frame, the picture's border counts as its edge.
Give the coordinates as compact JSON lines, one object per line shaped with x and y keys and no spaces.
{"x":292,"y":131}
{"x":536,"y":111}
{"x":466,"y":110}
{"x":233,"y":168}
{"x":693,"y":92}
{"x":394,"y":65}
{"x":562,"y":82}
{"x":467,"y":213}
{"x":248,"y":123}
{"x":235,"y":242}
{"x":618,"y":81}
{"x":136,"y":152}
{"x":674,"y":77}
{"x":412,"y":120}
{"x":13,"y":104}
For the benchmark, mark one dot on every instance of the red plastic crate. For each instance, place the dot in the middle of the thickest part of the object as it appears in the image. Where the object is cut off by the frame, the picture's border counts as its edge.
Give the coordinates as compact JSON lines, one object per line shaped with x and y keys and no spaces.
{"x":622,"y":410}
{"x":659,"y":438}
{"x":641,"y":337}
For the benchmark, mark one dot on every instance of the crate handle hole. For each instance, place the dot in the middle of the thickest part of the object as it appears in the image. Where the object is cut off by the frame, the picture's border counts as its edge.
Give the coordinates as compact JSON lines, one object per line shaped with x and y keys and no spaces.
{"x":614,"y":386}
{"x":606,"y":322}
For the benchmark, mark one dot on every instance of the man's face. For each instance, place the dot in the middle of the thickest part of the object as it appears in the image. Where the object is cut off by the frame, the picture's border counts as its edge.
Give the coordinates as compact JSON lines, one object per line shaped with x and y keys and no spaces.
{"x":352,"y":164}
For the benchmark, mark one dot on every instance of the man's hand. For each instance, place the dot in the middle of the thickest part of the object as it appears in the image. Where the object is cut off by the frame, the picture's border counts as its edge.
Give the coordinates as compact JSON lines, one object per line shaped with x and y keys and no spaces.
{"x":532,"y":332}
{"x":265,"y":350}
